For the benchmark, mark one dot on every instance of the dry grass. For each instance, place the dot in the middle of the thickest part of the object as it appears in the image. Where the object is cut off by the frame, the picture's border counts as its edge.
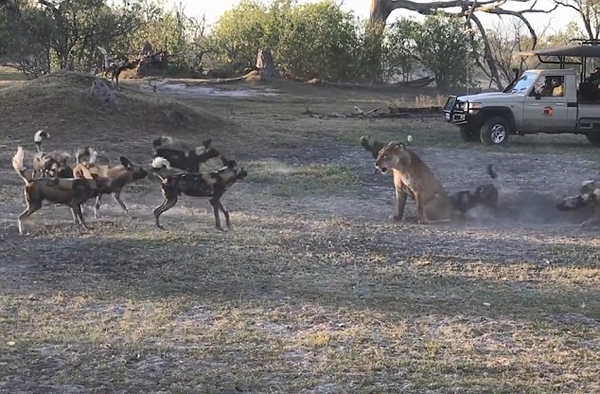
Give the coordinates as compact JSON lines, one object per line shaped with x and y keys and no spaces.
{"x":312,"y":290}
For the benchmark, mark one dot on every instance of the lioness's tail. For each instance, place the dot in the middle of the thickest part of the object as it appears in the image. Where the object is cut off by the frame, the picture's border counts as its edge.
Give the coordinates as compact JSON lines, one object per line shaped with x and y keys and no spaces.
{"x":162,"y":140}
{"x":17,"y":163}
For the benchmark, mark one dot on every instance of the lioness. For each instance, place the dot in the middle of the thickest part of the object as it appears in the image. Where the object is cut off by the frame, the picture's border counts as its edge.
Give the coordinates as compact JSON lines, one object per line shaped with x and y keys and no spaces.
{"x":413,"y":178}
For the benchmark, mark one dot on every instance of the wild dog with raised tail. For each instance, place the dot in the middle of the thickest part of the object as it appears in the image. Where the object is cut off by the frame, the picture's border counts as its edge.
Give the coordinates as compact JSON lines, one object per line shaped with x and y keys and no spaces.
{"x":211,"y":185}
{"x":589,"y":196}
{"x":414,"y":179}
{"x":53,"y":164}
{"x":186,"y":160}
{"x":118,"y":176}
{"x":71,"y":192}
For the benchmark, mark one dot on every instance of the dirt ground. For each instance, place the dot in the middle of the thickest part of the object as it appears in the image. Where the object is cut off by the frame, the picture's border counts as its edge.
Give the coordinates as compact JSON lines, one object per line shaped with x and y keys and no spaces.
{"x":313,"y":289}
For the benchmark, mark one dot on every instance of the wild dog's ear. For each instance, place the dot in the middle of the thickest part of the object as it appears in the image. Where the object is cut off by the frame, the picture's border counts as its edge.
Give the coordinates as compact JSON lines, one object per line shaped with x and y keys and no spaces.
{"x":126,"y":162}
{"x":85,"y":172}
{"x":224,"y":160}
{"x":231,"y":164}
{"x":207,"y":143}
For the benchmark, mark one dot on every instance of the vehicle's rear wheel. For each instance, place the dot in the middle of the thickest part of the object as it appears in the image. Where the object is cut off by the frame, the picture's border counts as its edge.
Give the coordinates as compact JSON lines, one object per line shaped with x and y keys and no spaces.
{"x":594,"y":138}
{"x":468,"y":134}
{"x":495,"y":131}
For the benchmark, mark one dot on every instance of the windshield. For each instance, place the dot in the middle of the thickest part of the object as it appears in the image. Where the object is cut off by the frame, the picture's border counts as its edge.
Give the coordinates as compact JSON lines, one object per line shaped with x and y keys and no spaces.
{"x":523,"y":83}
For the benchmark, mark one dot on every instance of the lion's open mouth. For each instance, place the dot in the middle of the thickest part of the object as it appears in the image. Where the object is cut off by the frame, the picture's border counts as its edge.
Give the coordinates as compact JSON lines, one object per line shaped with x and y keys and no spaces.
{"x":382,"y":169}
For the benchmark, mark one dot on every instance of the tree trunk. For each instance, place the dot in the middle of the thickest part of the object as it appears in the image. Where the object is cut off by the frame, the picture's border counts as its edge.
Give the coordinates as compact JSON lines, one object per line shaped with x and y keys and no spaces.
{"x":265,"y":64}
{"x":381,"y":10}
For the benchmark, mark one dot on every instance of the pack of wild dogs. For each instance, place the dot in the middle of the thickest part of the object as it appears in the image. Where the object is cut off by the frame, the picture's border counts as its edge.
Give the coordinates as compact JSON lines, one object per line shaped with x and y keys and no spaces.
{"x":52,"y":179}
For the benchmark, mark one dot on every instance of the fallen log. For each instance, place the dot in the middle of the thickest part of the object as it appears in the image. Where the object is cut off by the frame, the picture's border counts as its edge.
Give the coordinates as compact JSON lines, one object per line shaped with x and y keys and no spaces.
{"x":394,"y":112}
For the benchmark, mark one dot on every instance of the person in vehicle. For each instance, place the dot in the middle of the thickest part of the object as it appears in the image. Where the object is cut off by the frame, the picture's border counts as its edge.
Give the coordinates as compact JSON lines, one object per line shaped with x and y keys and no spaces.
{"x":552,"y":87}
{"x":594,"y":77}
{"x":589,"y":88}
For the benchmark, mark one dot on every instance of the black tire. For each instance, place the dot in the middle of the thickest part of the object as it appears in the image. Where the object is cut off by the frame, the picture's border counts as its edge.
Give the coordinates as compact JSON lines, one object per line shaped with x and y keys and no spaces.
{"x":495,"y":131}
{"x":467,"y":134}
{"x":594,"y":138}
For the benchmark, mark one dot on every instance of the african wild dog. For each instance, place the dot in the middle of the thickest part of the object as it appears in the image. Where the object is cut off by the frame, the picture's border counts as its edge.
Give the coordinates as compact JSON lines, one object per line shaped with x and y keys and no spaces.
{"x":113,"y":66}
{"x":71,"y":192}
{"x":52,"y":164}
{"x":119,"y":176}
{"x":589,"y":196}
{"x":210,"y":185}
{"x":485,"y":195}
{"x":189,"y":160}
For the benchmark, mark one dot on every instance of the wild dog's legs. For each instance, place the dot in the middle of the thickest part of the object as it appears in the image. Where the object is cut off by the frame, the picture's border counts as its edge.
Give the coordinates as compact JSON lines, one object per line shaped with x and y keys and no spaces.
{"x":31,"y":208}
{"x":215,"y":204}
{"x":79,"y":213}
{"x":170,"y":201}
{"x":225,"y":213}
{"x":97,"y":205}
{"x":76,"y":218}
{"x":117,"y":197}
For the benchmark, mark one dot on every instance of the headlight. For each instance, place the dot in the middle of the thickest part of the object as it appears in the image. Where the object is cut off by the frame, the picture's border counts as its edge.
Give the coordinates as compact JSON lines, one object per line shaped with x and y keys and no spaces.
{"x":474,"y":105}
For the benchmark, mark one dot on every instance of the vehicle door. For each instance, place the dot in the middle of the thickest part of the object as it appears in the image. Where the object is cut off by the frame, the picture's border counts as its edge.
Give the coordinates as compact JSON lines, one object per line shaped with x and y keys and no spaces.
{"x":545,"y":109}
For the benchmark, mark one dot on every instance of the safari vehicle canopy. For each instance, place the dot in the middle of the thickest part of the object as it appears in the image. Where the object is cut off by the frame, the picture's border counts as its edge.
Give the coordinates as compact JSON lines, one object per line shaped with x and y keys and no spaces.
{"x":568,"y":55}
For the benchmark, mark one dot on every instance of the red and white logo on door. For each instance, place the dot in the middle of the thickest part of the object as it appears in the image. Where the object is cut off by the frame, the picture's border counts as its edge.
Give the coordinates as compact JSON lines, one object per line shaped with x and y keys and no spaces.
{"x":548,"y":111}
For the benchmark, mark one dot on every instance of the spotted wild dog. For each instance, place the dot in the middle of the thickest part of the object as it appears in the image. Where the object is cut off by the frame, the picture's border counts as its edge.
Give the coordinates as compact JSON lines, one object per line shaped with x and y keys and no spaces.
{"x":119,"y":176}
{"x":68,"y":191}
{"x":53,"y":164}
{"x":589,"y":196}
{"x":414,"y":179}
{"x":211,"y":185}
{"x":113,"y":66}
{"x":485,"y":195}
{"x":186,"y":160}
{"x":371,"y":145}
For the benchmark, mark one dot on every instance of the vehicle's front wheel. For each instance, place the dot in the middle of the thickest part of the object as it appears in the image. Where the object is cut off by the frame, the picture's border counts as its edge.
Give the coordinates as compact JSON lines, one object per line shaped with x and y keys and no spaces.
{"x":468,"y":134}
{"x":594,"y":138}
{"x":495,"y":131}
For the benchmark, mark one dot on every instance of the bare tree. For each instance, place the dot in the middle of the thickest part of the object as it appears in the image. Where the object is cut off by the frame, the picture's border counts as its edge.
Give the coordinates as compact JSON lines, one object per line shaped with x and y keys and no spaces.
{"x":589,"y":11}
{"x":381,"y":10}
{"x":505,"y":39}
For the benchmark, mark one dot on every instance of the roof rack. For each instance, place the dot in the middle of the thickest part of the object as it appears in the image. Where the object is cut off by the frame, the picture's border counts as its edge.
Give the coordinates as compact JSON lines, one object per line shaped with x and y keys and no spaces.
{"x":585,"y":41}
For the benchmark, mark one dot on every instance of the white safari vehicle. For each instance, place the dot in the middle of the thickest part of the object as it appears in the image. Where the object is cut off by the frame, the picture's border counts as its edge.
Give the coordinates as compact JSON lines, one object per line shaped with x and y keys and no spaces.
{"x":538,"y":101}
